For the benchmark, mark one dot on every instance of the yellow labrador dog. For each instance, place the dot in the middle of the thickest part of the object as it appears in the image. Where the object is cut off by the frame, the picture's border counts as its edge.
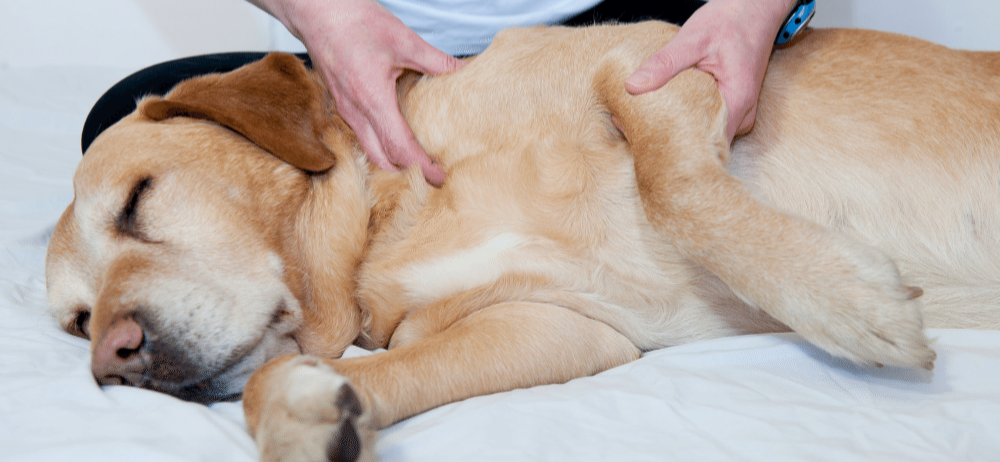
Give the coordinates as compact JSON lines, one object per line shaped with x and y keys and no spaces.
{"x":236,"y":220}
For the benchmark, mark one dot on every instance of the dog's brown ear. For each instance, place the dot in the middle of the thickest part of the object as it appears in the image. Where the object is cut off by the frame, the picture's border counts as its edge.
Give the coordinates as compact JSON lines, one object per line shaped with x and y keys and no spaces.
{"x":274,"y":102}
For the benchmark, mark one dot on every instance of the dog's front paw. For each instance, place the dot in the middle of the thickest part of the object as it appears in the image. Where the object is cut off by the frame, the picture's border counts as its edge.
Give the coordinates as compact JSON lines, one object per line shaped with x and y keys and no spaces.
{"x":866,"y":314}
{"x":314,"y":415}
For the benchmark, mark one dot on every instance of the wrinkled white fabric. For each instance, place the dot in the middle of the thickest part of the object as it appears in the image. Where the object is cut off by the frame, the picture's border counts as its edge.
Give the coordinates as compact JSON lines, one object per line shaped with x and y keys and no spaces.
{"x":755,"y":398}
{"x":466,"y":27}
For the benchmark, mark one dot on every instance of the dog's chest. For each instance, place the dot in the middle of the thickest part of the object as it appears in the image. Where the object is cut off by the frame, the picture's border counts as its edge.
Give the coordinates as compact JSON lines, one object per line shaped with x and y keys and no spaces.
{"x":536,"y":228}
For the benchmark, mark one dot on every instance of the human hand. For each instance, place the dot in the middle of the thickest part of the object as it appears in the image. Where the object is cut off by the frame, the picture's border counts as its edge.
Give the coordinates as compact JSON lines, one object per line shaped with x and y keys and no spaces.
{"x":730,"y":39}
{"x":360,"y":49}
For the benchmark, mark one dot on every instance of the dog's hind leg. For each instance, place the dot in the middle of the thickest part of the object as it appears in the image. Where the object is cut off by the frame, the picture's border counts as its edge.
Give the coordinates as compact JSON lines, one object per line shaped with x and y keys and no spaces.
{"x":838,"y":293}
{"x":304,"y":408}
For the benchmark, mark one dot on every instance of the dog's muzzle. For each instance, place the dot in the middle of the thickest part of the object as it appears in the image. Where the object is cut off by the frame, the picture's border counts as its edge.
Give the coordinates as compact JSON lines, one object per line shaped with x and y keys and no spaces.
{"x":131,"y":352}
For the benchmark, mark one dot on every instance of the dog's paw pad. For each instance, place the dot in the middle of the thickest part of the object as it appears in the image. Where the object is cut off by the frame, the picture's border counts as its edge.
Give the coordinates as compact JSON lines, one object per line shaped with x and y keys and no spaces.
{"x":316,"y":415}
{"x":348,"y":401}
{"x":345,"y":445}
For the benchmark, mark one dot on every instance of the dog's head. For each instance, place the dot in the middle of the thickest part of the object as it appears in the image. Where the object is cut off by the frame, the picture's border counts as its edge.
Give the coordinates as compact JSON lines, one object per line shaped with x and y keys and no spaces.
{"x":188,"y":256}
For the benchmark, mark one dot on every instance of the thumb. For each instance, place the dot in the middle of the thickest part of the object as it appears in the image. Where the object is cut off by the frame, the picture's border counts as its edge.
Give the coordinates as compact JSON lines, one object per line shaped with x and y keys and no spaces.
{"x":429,"y":60}
{"x":662,"y":66}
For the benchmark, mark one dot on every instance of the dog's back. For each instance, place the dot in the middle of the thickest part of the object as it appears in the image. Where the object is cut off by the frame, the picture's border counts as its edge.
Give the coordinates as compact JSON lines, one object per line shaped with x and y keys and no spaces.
{"x":862,"y":133}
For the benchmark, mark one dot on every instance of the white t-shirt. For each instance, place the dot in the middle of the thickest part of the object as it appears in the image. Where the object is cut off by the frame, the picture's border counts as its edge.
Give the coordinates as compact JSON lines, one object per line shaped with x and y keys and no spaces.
{"x":466,"y":27}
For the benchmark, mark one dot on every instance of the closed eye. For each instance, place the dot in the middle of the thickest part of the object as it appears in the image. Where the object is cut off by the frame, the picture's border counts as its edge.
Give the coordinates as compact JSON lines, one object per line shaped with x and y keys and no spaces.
{"x":127,"y":221}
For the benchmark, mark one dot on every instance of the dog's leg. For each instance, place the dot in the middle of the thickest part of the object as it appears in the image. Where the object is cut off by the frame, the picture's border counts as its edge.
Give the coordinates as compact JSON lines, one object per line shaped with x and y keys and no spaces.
{"x":304,"y":408}
{"x":838,"y":293}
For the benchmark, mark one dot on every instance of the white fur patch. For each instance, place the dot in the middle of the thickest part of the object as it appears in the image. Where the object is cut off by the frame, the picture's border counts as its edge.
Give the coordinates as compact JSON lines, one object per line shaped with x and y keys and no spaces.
{"x":465,"y":269}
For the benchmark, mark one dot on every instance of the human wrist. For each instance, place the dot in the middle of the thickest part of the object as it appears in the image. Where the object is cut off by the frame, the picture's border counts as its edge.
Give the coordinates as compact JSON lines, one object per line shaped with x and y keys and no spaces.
{"x":765,"y":18}
{"x":776,"y":11}
{"x":781,"y":8}
{"x":306,"y":18}
{"x":279,"y":9}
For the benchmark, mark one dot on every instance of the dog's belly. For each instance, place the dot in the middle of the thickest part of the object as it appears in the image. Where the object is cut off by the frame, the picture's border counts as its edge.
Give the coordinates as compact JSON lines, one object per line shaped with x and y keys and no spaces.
{"x":870,"y":144}
{"x":940,"y":228}
{"x":908,"y":165}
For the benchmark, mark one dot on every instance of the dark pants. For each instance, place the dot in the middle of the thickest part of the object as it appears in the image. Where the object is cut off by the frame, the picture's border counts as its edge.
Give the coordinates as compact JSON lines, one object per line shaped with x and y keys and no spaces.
{"x":158,"y":79}
{"x":672,"y":11}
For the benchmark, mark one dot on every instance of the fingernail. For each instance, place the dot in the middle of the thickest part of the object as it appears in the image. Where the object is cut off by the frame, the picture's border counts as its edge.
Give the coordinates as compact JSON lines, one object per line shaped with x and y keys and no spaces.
{"x":434,"y":175}
{"x":617,"y":123}
{"x":638,"y":79}
{"x":913,"y":293}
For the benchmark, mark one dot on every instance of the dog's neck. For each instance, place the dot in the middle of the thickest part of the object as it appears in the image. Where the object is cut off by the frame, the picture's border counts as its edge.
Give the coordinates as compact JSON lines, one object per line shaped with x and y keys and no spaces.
{"x":346,"y":215}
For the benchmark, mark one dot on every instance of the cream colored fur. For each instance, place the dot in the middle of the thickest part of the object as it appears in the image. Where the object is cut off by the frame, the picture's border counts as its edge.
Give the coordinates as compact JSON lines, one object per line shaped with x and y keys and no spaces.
{"x":861,"y":209}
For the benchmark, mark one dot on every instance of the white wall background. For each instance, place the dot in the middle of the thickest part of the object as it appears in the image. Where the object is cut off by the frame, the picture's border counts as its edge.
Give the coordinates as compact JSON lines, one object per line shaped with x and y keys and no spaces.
{"x":131,"y":33}
{"x":135,"y":33}
{"x":968,"y":24}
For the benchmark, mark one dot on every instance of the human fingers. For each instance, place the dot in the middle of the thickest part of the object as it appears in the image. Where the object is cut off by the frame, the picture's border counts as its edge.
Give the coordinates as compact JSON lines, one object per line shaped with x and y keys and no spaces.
{"x":403,"y":149}
{"x":407,"y":151}
{"x":677,"y":55}
{"x":360,"y":49}
{"x":389,"y":141}
{"x":424,"y":58}
{"x":364,"y":91}
{"x":385,"y":135}
{"x":369,"y":142}
{"x":740,"y":96}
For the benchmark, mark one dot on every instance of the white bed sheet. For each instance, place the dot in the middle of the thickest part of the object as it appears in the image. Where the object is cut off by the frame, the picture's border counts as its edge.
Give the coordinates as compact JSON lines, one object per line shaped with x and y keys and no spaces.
{"x":766,"y":397}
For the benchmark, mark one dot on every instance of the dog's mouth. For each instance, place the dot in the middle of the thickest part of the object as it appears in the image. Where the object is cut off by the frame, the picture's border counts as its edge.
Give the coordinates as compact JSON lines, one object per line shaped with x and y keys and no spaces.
{"x":205,"y":392}
{"x":164,"y":367}
{"x":225,"y":385}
